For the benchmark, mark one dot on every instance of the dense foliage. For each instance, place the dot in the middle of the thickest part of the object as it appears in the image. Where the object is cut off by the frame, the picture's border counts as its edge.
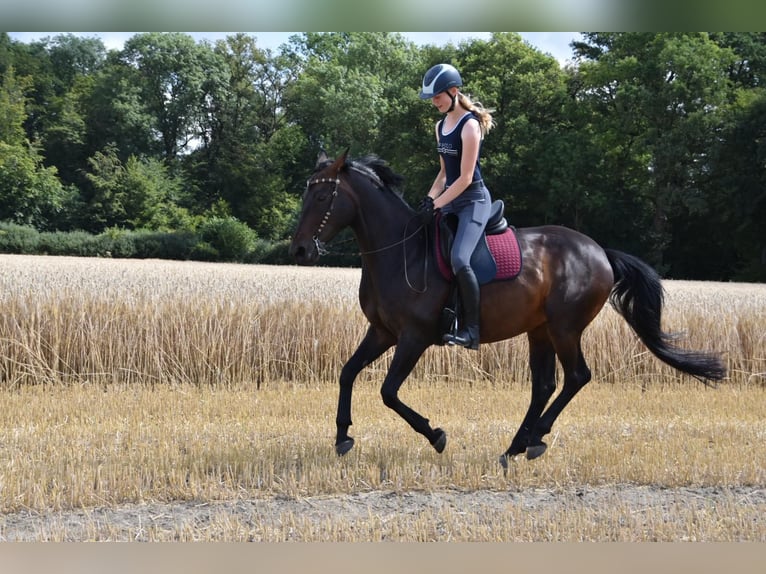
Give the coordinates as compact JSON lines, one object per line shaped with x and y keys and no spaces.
{"x":654,"y":143}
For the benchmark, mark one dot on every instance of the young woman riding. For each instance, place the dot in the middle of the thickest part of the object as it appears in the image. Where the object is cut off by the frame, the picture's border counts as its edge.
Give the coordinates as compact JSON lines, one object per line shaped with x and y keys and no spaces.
{"x":458,"y":187}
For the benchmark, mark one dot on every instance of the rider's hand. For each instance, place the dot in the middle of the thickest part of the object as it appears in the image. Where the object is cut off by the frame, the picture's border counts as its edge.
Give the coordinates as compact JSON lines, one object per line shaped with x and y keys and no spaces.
{"x":426,"y":210}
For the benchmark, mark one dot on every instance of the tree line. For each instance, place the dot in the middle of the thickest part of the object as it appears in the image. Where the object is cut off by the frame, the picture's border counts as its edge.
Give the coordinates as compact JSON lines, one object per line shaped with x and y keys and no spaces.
{"x":654,"y":143}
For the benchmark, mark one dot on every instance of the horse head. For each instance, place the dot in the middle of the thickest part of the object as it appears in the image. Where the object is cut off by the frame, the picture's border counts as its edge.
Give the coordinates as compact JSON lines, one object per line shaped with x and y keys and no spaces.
{"x":326,"y":210}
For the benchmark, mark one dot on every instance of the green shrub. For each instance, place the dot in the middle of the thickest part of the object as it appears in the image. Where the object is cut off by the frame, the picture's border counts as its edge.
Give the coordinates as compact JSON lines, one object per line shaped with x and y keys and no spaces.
{"x":16,"y":238}
{"x":203,"y":251}
{"x":232,"y":239}
{"x":118,"y":243}
{"x":217,"y":239}
{"x":164,"y":245}
{"x":78,"y":243}
{"x":277,"y":253}
{"x":260,"y":250}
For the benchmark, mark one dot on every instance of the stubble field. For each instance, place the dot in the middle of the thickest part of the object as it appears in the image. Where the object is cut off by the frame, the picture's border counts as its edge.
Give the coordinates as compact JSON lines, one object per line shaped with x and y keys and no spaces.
{"x":155,"y":400}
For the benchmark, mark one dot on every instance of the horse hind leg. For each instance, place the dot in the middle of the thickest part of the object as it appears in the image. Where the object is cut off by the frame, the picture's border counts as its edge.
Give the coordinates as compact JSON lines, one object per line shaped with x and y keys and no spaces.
{"x":576,"y":376}
{"x":542,"y":364}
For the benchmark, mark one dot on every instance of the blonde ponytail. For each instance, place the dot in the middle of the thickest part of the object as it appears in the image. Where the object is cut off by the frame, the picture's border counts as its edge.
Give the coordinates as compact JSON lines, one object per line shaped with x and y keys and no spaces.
{"x":485,"y":115}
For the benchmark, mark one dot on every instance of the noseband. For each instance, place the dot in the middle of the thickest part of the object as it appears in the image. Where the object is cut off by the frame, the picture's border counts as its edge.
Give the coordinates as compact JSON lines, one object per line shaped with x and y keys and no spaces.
{"x":319,"y":245}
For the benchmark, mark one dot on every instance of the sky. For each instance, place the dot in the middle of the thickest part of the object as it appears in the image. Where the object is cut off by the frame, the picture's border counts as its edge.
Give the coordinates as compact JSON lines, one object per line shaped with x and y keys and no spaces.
{"x":554,"y":43}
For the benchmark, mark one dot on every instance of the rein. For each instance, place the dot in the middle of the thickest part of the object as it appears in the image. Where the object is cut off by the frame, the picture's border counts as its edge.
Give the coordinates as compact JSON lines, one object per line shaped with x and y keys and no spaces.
{"x":396,"y":244}
{"x":322,"y":250}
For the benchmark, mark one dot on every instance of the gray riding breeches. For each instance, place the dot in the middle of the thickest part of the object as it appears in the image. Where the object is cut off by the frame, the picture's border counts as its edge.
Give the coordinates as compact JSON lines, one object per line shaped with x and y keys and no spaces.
{"x":472,"y":208}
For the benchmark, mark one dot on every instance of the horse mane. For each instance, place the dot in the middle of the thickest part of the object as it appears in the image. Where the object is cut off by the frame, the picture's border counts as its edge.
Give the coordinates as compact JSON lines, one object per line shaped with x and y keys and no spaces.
{"x":378,"y":169}
{"x":375,"y":169}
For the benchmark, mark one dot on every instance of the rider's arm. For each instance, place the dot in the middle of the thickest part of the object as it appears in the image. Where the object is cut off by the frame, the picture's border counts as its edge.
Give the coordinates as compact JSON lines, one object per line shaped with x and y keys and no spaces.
{"x":471,"y":136}
{"x":441,"y":178}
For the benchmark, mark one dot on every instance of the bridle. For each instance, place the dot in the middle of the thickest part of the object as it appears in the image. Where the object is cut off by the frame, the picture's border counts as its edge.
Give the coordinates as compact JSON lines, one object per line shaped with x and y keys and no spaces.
{"x":321,"y":250}
{"x":315,"y":238}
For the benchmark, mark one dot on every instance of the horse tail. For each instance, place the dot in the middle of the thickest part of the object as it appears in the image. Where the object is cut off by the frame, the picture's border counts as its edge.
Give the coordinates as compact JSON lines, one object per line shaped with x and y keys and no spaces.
{"x":638,"y":296}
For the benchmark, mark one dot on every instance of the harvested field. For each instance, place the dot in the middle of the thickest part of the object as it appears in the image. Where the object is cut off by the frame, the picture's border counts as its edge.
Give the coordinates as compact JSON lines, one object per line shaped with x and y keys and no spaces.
{"x":153,"y":400}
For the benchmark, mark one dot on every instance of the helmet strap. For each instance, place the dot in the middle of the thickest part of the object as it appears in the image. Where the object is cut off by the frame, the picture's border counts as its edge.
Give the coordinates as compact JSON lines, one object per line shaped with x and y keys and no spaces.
{"x":454,"y":99}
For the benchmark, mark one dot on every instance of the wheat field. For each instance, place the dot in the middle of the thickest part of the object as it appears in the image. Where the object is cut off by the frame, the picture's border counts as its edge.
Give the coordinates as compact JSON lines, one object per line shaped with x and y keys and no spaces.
{"x":157,"y":400}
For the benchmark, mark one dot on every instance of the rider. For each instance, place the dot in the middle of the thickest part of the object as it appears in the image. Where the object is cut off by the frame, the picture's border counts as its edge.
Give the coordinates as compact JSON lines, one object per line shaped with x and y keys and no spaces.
{"x":458,"y":187}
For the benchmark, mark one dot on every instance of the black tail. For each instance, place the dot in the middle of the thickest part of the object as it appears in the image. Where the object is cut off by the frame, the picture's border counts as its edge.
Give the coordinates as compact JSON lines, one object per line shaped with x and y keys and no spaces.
{"x":638,"y":296}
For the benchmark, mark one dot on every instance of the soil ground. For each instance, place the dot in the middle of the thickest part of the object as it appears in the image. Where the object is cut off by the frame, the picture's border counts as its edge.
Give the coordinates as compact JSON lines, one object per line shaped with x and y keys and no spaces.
{"x":267,"y":515}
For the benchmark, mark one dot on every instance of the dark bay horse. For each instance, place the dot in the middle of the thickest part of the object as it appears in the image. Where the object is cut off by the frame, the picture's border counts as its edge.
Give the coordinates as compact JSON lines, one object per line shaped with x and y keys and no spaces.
{"x":565,"y":280}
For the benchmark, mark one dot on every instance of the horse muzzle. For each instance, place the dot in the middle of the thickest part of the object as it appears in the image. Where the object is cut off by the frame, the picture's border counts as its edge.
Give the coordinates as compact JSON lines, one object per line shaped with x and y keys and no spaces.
{"x":305,"y":251}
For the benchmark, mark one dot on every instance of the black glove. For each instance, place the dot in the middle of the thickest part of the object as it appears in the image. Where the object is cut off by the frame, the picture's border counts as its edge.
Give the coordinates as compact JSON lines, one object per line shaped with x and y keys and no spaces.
{"x":426,"y":210}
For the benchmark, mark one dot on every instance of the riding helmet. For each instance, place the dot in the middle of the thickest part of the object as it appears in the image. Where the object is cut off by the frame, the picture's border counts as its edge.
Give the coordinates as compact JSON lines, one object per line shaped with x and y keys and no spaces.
{"x":439,"y":79}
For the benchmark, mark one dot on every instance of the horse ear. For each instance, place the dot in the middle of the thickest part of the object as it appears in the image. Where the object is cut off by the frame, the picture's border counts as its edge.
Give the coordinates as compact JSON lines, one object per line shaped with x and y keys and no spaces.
{"x":340,"y":161}
{"x":321,"y":158}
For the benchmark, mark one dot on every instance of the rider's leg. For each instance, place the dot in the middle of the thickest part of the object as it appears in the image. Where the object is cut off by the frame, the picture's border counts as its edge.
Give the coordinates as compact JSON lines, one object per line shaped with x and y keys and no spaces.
{"x":468,"y":287}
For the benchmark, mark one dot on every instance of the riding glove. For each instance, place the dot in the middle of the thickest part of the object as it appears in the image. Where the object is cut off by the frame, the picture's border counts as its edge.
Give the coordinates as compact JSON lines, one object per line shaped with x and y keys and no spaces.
{"x":426,"y":210}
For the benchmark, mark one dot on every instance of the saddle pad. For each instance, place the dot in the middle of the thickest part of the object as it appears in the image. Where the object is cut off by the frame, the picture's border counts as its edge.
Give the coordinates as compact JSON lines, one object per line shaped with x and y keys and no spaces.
{"x":504,"y":248}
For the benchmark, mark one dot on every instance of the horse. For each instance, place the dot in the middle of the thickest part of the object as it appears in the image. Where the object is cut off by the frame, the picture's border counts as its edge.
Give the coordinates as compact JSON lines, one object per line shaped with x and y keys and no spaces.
{"x":565,"y":280}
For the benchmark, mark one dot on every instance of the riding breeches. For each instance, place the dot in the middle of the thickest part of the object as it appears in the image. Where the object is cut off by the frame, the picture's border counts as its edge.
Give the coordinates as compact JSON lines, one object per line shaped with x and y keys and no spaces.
{"x":472,"y":208}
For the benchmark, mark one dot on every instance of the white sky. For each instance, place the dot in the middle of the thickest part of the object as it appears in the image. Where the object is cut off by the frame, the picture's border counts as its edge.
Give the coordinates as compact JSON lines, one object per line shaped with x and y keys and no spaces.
{"x":554,"y":43}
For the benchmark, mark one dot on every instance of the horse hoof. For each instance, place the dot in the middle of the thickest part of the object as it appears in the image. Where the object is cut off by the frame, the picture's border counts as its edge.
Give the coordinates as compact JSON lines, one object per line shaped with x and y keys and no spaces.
{"x":536,"y":450}
{"x":441,"y":440}
{"x":343,"y":447}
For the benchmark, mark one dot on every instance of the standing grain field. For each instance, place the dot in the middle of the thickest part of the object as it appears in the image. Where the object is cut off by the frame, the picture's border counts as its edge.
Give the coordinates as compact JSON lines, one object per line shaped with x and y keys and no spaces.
{"x":158,"y":400}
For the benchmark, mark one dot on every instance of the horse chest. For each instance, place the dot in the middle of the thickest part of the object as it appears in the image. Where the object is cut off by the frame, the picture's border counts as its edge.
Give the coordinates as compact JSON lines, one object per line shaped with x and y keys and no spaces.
{"x":378,"y":313}
{"x":384,"y":311}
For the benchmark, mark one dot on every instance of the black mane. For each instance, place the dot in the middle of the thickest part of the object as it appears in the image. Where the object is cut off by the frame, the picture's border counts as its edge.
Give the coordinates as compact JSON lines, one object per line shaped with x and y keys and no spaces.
{"x":380,"y":168}
{"x":375,"y":168}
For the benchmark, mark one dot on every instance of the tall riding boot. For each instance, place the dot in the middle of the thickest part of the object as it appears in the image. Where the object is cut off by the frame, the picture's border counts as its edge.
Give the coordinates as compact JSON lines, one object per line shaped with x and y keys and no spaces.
{"x":468,"y":287}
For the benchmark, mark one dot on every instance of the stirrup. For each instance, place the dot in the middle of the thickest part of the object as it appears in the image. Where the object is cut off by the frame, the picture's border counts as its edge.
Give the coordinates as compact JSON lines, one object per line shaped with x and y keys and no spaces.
{"x":462,"y":338}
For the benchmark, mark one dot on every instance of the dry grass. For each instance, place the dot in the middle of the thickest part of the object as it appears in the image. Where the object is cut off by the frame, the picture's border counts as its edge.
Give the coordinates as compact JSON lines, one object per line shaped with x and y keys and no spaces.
{"x":151,"y":382}
{"x":100,"y":321}
{"x":80,"y":447}
{"x":104,"y":322}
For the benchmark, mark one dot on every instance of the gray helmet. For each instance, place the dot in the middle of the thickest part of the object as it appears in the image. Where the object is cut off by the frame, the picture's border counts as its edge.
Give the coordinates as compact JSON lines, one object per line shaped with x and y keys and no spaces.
{"x":439,"y":79}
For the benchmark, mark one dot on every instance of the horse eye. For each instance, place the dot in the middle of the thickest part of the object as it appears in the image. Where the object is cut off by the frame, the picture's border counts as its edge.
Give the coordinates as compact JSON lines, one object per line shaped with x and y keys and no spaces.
{"x":323,"y":194}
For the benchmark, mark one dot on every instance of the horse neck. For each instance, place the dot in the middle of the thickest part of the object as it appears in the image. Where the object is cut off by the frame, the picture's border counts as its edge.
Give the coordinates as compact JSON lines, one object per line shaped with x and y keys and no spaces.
{"x":394,"y":272}
{"x":382,"y":221}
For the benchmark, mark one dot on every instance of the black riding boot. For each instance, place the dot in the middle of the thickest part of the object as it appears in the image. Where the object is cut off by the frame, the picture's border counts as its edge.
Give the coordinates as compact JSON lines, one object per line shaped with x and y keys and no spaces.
{"x":468,"y":287}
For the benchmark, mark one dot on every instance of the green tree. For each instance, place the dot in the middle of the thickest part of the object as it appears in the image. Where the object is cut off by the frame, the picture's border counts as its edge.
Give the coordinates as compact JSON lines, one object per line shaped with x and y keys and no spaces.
{"x":655,"y":101}
{"x":733,"y":240}
{"x":74,"y":61}
{"x":737,"y":177}
{"x":115,"y":114}
{"x":176,"y":77}
{"x":55,"y":66}
{"x":6,"y":49}
{"x":137,"y":194}
{"x":748,"y":68}
{"x":351,"y":85}
{"x":12,"y":112}
{"x":30,"y":193}
{"x":247,"y":157}
{"x":527,"y":158}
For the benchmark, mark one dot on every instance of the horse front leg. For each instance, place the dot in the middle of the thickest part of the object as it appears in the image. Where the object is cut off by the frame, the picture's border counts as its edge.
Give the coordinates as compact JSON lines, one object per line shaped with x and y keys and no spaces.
{"x":405,"y":358}
{"x":374,"y":344}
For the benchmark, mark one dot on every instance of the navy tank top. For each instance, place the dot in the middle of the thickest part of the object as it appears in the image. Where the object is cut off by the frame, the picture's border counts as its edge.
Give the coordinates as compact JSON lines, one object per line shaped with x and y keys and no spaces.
{"x":450,"y":148}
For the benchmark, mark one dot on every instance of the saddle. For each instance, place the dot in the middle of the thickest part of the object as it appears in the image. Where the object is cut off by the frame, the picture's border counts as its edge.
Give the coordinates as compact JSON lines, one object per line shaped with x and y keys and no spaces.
{"x":497,"y":255}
